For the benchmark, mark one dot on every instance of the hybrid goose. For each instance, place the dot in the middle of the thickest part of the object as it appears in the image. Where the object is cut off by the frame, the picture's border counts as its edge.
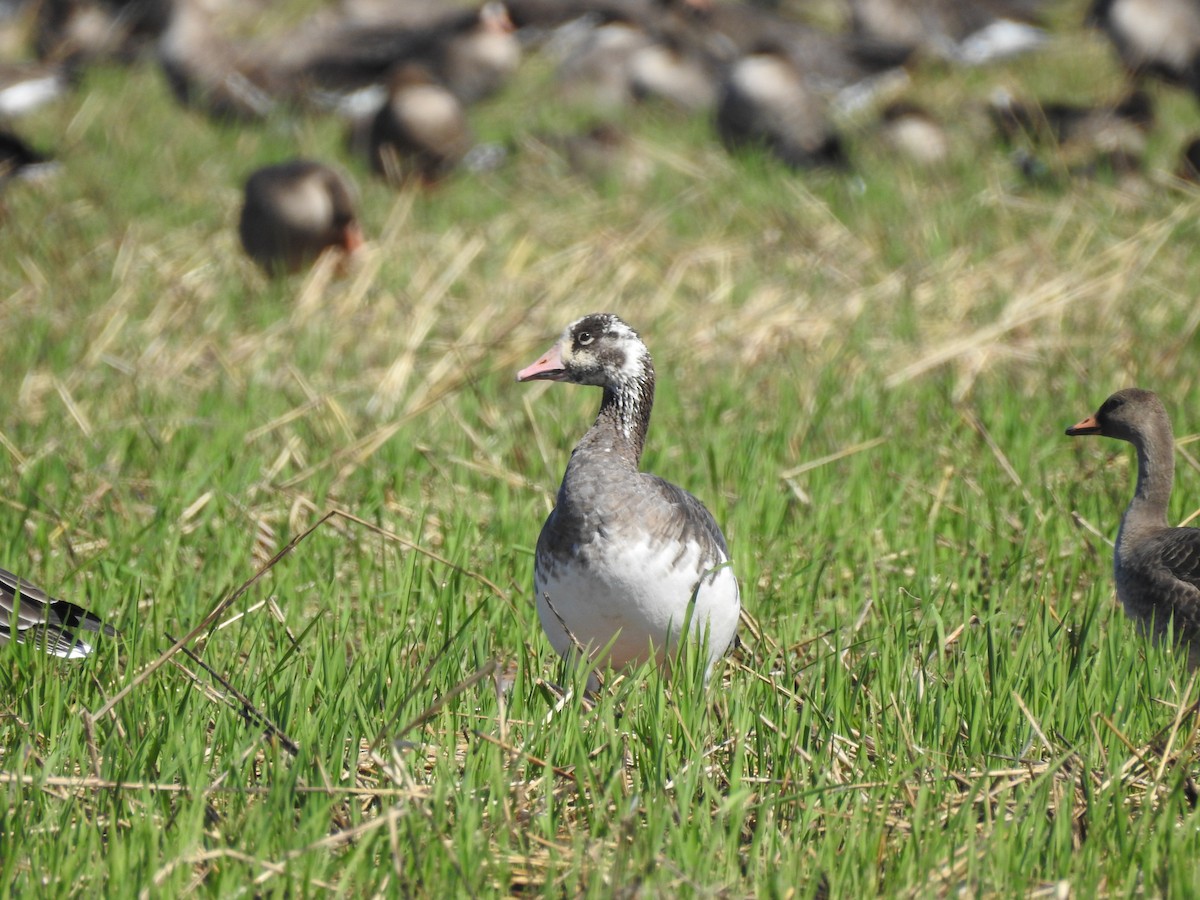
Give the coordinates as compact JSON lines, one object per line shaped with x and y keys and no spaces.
{"x":30,"y":615}
{"x":1157,"y":567}
{"x":626,"y":561}
{"x":295,"y":210}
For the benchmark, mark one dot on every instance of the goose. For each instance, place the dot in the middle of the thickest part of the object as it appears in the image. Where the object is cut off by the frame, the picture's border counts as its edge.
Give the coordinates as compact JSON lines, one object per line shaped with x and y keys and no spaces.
{"x":1122,"y":124}
{"x":1157,"y":568}
{"x":970,"y":32}
{"x":1088,"y":138}
{"x":915,"y":133}
{"x":25,"y":87}
{"x":295,"y":210}
{"x":1189,"y":161}
{"x":472,"y":52}
{"x":229,"y":81}
{"x":1160,"y":38}
{"x":29,"y":614}
{"x":766,"y":101}
{"x":625,"y":560}
{"x":421,"y":130}
{"x":18,"y":159}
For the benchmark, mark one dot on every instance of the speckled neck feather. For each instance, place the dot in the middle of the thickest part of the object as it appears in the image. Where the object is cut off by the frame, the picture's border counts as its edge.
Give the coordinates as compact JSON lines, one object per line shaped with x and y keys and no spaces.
{"x":624,"y":417}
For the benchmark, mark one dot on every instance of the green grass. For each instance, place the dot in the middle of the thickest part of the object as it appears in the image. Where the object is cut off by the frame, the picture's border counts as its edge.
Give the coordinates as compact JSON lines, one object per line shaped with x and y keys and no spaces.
{"x":865,"y":377}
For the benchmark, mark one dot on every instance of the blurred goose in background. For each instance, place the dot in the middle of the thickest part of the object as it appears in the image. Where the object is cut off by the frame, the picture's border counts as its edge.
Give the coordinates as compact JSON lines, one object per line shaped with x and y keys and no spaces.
{"x":912,"y":131}
{"x":1087,"y":138}
{"x":26,"y":86}
{"x":971,"y":32}
{"x":205,"y":70}
{"x":82,"y":32}
{"x":668,"y":69}
{"x":765,"y":101}
{"x":18,"y":159}
{"x":477,"y":62}
{"x":471,"y":52}
{"x":538,"y":20}
{"x":1159,"y":38}
{"x":626,"y":561}
{"x":420,"y":132}
{"x":832,"y":63}
{"x":1189,"y":161}
{"x":1157,"y":567}
{"x":1067,"y":122}
{"x":595,"y":60}
{"x":601,"y":152}
{"x":28,"y":615}
{"x":294,"y":211}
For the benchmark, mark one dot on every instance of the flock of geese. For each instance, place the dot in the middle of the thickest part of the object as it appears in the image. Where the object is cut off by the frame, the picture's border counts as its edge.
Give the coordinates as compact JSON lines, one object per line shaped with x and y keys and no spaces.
{"x":626,"y":563}
{"x":403,"y":74}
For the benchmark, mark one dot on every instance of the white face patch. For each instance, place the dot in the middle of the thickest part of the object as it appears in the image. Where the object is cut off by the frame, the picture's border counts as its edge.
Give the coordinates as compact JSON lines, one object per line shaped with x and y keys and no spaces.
{"x":611,"y":331}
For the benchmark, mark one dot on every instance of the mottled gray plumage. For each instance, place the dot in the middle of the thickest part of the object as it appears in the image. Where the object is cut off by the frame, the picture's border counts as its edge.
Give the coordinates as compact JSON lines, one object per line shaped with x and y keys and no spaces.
{"x":625,"y":554}
{"x":1157,"y":567}
{"x":43,"y":620}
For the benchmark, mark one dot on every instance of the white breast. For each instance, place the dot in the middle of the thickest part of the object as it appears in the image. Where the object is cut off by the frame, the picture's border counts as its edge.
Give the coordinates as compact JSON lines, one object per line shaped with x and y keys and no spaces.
{"x":639,"y":595}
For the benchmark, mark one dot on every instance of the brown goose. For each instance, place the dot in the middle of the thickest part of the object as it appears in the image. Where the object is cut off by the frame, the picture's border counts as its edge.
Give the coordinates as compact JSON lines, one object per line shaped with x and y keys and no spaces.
{"x":228,"y":81}
{"x":295,"y":210}
{"x":472,"y":52}
{"x":1159,"y":38}
{"x":421,"y":131}
{"x":30,"y":615}
{"x":626,"y":560}
{"x":1157,"y":567}
{"x":915,"y":133}
{"x":766,"y":101}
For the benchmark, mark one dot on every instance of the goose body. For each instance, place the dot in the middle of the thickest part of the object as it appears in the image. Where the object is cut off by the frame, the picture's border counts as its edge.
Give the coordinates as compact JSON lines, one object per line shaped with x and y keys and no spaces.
{"x":295,"y":210}
{"x":1154,"y":37}
{"x":29,"y":615}
{"x":1156,"y":567}
{"x":916,"y":134}
{"x":626,"y":560}
{"x":766,"y":101}
{"x":420,"y":132}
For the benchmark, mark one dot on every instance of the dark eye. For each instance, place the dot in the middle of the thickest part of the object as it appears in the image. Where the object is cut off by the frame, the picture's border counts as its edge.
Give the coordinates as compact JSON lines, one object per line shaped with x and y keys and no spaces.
{"x":584,"y":338}
{"x":1112,"y":404}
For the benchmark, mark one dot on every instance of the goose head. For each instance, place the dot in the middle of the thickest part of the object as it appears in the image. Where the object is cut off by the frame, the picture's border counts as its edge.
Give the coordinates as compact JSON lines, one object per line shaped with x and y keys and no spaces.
{"x":1128,"y":415}
{"x":598,"y":349}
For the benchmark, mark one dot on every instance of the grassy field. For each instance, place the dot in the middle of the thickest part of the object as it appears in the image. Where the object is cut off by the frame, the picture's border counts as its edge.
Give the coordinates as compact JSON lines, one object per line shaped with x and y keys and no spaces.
{"x":865,"y":376}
